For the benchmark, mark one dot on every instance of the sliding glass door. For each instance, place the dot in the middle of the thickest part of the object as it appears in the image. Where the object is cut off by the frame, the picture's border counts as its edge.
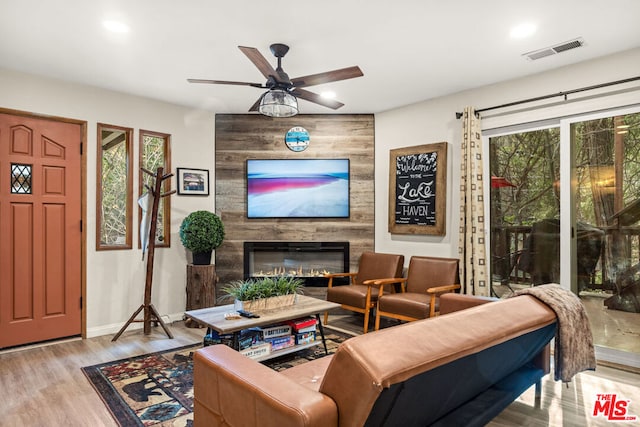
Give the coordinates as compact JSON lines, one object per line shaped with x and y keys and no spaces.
{"x":564,"y":207}
{"x":604,"y":247}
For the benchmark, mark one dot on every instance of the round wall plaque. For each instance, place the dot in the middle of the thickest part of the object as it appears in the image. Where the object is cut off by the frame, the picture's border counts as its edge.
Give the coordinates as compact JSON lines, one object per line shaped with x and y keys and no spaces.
{"x":297,"y":139}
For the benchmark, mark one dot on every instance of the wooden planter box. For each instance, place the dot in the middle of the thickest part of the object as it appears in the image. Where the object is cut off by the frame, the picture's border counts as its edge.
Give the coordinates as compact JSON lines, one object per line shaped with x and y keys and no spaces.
{"x":266,"y":303}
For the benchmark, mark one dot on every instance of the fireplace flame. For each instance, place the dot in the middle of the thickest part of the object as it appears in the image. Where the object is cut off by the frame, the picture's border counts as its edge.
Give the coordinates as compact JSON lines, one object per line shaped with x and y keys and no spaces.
{"x":300,"y":272}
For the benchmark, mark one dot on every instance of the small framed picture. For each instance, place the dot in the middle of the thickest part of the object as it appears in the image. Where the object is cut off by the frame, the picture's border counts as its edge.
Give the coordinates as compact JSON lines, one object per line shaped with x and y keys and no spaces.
{"x":193,"y":182}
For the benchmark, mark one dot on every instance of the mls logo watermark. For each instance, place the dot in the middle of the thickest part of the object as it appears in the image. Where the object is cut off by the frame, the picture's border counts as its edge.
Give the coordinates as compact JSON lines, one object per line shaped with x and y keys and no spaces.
{"x":612,"y":408}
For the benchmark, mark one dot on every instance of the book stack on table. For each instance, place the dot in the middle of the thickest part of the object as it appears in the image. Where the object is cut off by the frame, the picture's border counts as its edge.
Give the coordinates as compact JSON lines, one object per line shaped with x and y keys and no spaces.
{"x":259,"y":342}
{"x":278,"y":336}
{"x":304,"y":329}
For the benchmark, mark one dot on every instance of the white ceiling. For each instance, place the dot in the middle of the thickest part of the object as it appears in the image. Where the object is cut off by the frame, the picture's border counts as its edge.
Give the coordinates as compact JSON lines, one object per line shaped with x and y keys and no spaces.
{"x":409,"y":50}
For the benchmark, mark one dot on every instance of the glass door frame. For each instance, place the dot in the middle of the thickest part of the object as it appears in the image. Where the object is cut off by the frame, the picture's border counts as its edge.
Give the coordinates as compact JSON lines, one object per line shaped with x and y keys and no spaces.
{"x":568,"y":269}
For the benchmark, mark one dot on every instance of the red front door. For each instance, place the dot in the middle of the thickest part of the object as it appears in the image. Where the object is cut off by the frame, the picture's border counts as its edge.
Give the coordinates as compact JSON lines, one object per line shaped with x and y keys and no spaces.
{"x":40,"y":229}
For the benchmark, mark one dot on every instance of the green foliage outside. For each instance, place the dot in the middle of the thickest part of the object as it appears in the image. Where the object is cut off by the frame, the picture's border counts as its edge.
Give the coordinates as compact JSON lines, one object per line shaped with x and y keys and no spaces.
{"x":606,"y":178}
{"x":153,"y":156}
{"x":201,"y":231}
{"x":114,"y":195}
{"x":531,"y":162}
{"x":594,"y":142}
{"x":113,"y":210}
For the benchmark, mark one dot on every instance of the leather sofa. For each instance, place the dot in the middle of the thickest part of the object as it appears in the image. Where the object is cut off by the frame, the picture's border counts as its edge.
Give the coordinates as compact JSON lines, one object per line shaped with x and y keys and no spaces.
{"x":460,"y":368}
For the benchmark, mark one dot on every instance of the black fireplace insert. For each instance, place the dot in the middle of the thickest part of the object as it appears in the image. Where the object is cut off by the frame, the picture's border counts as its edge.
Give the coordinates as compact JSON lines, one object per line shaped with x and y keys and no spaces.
{"x":309,"y":261}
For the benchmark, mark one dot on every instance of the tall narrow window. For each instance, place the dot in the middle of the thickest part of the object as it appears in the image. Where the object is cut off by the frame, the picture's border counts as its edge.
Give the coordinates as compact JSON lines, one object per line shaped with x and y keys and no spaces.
{"x":155,"y":152}
{"x":114,"y":187}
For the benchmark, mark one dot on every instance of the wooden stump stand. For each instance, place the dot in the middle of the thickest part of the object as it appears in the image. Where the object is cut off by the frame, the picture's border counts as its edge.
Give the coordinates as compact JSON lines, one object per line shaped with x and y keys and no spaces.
{"x":201,"y":289}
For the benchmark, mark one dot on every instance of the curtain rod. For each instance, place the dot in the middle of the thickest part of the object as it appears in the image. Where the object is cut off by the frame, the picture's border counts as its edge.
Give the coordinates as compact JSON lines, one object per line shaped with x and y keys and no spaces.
{"x":553,"y":95}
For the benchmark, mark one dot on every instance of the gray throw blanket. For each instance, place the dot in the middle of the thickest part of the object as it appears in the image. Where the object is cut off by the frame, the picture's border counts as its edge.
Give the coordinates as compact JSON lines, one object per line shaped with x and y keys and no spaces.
{"x":573,"y":352}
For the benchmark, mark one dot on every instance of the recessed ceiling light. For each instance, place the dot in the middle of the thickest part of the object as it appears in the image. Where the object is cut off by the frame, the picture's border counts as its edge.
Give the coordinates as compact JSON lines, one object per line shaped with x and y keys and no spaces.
{"x":328,"y":94}
{"x":116,"y":26}
{"x":523,"y":30}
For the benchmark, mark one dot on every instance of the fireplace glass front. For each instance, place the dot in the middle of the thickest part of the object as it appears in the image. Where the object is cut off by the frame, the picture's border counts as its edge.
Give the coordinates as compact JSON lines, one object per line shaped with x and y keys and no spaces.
{"x":307,"y":260}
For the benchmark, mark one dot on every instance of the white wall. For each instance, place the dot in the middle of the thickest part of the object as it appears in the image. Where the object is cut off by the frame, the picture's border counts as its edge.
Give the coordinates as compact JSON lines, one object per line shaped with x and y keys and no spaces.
{"x":115,"y":279}
{"x":434,"y":121}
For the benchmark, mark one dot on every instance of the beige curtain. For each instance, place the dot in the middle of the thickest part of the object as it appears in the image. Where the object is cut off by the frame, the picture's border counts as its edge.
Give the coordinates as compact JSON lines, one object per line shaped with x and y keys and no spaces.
{"x":471,"y":244}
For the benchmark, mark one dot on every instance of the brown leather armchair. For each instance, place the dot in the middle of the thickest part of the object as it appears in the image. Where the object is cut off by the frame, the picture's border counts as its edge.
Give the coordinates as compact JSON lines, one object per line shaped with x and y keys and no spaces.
{"x":427,"y":278}
{"x":359,"y":295}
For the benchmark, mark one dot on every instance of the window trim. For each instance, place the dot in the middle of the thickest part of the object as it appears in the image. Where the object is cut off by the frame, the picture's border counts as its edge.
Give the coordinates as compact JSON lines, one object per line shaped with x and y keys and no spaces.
{"x":128,"y":132}
{"x":166,"y":186}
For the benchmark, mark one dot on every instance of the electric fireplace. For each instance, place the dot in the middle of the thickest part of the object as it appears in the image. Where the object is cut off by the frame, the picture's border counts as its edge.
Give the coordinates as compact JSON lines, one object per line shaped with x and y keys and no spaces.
{"x":309,"y":261}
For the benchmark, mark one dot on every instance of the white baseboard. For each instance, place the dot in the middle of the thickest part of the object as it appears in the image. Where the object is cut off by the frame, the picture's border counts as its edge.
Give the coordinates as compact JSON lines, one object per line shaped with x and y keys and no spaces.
{"x":115,"y":327}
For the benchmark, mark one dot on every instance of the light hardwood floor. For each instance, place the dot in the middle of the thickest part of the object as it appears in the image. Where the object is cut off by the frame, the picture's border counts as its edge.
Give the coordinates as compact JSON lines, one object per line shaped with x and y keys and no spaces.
{"x":44,"y":386}
{"x":573,"y":404}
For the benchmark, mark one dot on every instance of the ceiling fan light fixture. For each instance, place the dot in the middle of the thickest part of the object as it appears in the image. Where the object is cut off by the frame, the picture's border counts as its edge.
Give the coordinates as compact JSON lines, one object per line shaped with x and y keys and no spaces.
{"x":278,"y":103}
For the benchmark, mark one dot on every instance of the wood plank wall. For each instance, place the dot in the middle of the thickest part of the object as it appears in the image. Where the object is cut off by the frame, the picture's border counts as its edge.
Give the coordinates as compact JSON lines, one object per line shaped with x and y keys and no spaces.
{"x":243,"y":136}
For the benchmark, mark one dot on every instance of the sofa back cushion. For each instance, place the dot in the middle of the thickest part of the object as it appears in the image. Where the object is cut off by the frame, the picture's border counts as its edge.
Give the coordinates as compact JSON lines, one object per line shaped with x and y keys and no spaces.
{"x":364,"y":366}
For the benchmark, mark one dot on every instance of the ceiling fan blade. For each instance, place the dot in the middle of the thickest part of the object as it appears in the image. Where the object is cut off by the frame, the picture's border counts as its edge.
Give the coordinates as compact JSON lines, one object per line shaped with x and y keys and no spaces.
{"x":317,"y":99}
{"x":326,"y":77}
{"x":260,"y":62}
{"x":225,"y":82}
{"x":256,"y":104}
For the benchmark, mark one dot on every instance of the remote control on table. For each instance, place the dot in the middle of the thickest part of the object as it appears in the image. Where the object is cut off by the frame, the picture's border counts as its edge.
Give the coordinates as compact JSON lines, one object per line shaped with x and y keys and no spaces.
{"x":247,"y":314}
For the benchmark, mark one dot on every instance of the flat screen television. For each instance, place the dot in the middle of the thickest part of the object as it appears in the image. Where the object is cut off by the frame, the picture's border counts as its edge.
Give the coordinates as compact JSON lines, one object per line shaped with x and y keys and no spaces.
{"x":298,"y":188}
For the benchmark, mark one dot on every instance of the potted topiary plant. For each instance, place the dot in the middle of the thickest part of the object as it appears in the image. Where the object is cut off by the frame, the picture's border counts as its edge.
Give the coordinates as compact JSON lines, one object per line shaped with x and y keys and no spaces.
{"x":201,"y":232}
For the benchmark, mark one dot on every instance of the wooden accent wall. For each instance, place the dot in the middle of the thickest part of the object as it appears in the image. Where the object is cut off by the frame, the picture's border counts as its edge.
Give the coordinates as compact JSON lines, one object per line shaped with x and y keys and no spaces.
{"x":243,"y":136}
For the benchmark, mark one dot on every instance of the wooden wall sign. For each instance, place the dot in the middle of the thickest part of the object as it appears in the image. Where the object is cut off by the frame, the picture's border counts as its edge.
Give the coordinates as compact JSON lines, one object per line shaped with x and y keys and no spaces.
{"x":418,"y":189}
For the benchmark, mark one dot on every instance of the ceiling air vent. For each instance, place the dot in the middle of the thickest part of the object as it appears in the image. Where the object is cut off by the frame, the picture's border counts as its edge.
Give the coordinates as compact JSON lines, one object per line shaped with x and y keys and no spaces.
{"x":559,"y":48}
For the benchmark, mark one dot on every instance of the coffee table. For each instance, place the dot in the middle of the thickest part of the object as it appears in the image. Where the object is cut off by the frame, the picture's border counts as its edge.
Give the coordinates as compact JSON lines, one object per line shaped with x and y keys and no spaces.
{"x":213,"y":318}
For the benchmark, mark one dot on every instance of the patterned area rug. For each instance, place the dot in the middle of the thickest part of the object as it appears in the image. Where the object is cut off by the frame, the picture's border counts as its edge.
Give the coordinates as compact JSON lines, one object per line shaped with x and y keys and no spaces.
{"x":157,"y":389}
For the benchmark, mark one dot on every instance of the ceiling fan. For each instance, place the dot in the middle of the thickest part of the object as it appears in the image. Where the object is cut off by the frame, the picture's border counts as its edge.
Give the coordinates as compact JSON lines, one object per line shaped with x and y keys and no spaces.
{"x":280,"y":99}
